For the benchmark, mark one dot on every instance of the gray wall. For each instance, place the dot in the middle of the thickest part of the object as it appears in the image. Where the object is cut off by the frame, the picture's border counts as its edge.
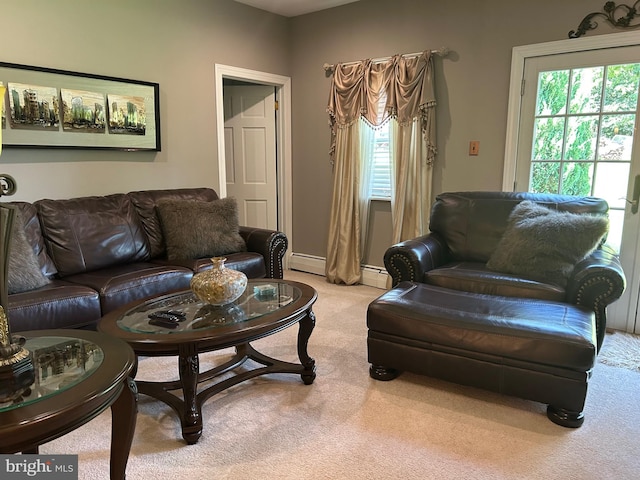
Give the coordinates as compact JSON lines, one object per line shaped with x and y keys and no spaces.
{"x":471,"y":87}
{"x":177,"y":43}
{"x":174,"y":43}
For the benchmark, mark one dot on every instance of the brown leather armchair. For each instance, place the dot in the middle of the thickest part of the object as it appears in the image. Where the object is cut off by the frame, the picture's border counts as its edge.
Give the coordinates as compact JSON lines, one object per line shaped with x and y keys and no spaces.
{"x":466,"y":227}
{"x":452,"y":317}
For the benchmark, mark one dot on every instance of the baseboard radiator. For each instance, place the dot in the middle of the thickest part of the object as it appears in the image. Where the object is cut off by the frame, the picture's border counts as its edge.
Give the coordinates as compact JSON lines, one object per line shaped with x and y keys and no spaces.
{"x":371,"y":275}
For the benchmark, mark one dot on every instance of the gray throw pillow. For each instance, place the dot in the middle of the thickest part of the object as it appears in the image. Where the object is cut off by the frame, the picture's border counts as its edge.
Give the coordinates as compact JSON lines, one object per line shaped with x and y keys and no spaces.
{"x":545,"y":245}
{"x":24,"y":269}
{"x":194,"y":229}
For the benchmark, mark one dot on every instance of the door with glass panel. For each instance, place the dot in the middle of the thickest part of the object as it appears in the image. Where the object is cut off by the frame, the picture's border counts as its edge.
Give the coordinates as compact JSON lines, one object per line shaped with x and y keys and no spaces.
{"x":577,"y":137}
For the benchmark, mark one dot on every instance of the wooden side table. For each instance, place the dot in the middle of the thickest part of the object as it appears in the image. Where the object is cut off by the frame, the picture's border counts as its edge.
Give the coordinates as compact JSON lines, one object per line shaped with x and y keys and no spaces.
{"x":79,"y":374}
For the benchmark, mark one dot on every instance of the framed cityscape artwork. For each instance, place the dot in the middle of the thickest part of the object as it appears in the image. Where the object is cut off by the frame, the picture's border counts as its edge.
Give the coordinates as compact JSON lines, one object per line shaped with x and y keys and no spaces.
{"x":51,"y":108}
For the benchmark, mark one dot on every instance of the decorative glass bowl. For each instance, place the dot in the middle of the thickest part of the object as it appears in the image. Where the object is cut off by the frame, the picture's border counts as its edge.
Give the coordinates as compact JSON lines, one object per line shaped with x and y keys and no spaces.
{"x":219,"y":285}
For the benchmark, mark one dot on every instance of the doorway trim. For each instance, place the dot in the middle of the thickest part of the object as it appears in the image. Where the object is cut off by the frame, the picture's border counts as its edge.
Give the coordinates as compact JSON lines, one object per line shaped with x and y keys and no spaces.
{"x":283,"y":138}
{"x":518,"y":57}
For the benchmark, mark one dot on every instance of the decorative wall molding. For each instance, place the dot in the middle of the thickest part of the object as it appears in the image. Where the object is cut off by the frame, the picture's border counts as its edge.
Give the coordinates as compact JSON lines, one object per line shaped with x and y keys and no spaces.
{"x":619,"y":16}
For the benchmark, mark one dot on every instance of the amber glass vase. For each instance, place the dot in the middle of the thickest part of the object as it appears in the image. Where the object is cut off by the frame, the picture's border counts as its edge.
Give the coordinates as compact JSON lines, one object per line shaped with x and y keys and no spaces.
{"x":219,"y":285}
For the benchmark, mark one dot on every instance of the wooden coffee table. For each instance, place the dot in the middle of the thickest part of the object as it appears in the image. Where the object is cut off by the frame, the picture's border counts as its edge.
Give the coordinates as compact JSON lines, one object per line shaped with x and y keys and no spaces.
{"x":207,"y":328}
{"x":79,"y":374}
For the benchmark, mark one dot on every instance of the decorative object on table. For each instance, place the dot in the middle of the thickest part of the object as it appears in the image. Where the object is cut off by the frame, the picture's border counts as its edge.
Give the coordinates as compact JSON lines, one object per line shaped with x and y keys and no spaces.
{"x":265,"y":292}
{"x":219,"y":285}
{"x":16,"y":366}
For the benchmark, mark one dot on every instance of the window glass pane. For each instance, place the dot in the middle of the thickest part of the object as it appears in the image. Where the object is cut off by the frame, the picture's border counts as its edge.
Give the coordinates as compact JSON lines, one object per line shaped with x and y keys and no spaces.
{"x":576,"y":178}
{"x":380,"y":182}
{"x":545,"y":177}
{"x":616,"y":137}
{"x":608,"y":183}
{"x":616,"y":222}
{"x":548,"y":134}
{"x":621,"y":90}
{"x":581,"y":138}
{"x":552,"y":92}
{"x":586,"y":90}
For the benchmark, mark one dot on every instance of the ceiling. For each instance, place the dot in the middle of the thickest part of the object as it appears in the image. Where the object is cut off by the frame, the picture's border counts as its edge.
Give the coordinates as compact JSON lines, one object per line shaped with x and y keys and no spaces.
{"x":293,"y":8}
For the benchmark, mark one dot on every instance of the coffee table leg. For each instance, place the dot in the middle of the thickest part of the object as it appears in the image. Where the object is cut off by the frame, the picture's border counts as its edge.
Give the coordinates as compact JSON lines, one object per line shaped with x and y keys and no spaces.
{"x":192,"y":414}
{"x":307,"y":325}
{"x":123,"y":424}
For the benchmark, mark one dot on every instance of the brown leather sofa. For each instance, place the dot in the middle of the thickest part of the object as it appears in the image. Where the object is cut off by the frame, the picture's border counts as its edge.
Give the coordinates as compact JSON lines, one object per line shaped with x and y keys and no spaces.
{"x":102,"y":252}
{"x":450,"y":316}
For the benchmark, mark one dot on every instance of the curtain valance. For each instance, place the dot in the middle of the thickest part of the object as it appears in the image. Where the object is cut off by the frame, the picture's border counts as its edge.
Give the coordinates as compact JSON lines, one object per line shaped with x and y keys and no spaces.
{"x":406,"y":83}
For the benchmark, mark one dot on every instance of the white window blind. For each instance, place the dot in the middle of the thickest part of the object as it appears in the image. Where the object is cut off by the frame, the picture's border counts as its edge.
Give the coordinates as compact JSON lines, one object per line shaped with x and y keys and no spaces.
{"x":380,"y":161}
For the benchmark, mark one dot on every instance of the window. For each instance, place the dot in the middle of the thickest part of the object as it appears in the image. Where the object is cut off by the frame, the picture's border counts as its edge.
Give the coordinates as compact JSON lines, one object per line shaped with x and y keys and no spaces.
{"x":380,"y":157}
{"x":584,"y":124}
{"x":380,"y":178}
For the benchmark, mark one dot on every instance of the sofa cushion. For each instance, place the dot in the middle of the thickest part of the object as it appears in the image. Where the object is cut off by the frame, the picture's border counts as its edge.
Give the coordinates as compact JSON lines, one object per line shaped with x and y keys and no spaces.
{"x":475,"y":277}
{"x":122,"y":284}
{"x":194,"y":229}
{"x":24,"y":271}
{"x":250,"y":263}
{"x":89,"y":233}
{"x":145,"y":202}
{"x":59,"y":304}
{"x":544,"y":245}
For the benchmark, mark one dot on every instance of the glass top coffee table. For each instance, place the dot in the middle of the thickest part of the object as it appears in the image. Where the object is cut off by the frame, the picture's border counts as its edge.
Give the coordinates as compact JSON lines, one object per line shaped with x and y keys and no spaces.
{"x":273,"y":306}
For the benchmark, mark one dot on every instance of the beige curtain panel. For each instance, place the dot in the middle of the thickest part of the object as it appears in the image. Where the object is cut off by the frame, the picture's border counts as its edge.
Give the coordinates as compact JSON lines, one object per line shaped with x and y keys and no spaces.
{"x":406,"y":84}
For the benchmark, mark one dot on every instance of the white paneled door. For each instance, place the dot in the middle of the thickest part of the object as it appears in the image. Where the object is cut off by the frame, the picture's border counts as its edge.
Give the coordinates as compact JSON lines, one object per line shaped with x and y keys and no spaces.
{"x":577,"y":136}
{"x":250,"y":153}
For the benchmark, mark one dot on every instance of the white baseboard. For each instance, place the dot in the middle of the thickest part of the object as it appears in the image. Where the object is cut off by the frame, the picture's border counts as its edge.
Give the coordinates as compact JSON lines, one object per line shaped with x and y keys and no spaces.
{"x":371,"y":276}
{"x":307,"y":263}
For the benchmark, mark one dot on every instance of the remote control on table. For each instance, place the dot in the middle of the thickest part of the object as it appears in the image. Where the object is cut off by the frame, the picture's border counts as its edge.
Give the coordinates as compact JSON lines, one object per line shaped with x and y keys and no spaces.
{"x":166,"y":316}
{"x":177,"y":313}
{"x":159,"y":322}
{"x":165,"y":319}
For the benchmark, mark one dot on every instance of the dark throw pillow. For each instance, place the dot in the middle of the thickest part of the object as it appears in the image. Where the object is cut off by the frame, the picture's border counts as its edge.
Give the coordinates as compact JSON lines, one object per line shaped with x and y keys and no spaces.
{"x":194,"y":229}
{"x":24,"y":269}
{"x":545,"y":245}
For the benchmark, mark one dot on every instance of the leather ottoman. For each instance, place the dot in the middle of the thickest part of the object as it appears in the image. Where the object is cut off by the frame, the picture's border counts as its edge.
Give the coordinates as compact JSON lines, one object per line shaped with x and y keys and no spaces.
{"x":533,"y":349}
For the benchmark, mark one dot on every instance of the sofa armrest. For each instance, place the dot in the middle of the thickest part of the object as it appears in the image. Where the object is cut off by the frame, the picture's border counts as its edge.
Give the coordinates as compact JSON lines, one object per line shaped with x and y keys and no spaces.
{"x":271,"y":244}
{"x":411,"y":259}
{"x":596,"y":282}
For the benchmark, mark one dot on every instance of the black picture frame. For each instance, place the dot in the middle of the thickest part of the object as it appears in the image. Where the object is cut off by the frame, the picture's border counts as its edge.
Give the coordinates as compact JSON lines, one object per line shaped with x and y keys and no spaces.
{"x":127,"y":118}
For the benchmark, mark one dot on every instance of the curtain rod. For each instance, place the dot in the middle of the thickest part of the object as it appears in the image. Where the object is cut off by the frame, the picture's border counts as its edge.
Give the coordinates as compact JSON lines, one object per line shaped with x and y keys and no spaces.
{"x":442,"y":52}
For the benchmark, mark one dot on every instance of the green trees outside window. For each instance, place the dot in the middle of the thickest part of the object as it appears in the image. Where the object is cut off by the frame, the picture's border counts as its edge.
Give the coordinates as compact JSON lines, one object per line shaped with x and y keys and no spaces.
{"x":584,"y":127}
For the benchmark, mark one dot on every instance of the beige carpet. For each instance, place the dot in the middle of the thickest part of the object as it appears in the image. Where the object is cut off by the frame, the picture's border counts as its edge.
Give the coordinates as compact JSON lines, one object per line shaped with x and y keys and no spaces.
{"x":621,"y":349}
{"x":348,"y":426}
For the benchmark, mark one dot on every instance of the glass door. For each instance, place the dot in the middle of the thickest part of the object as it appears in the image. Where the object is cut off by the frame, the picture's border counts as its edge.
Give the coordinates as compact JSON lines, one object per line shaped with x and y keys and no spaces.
{"x":577,"y":137}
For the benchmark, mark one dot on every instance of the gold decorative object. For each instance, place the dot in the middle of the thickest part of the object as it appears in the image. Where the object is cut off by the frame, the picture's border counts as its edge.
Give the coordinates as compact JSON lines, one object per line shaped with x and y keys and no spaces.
{"x":219,"y":285}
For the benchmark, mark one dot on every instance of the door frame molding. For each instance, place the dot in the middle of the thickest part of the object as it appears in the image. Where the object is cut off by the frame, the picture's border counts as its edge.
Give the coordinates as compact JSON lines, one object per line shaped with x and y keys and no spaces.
{"x":283,"y":137}
{"x":518,"y":57}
